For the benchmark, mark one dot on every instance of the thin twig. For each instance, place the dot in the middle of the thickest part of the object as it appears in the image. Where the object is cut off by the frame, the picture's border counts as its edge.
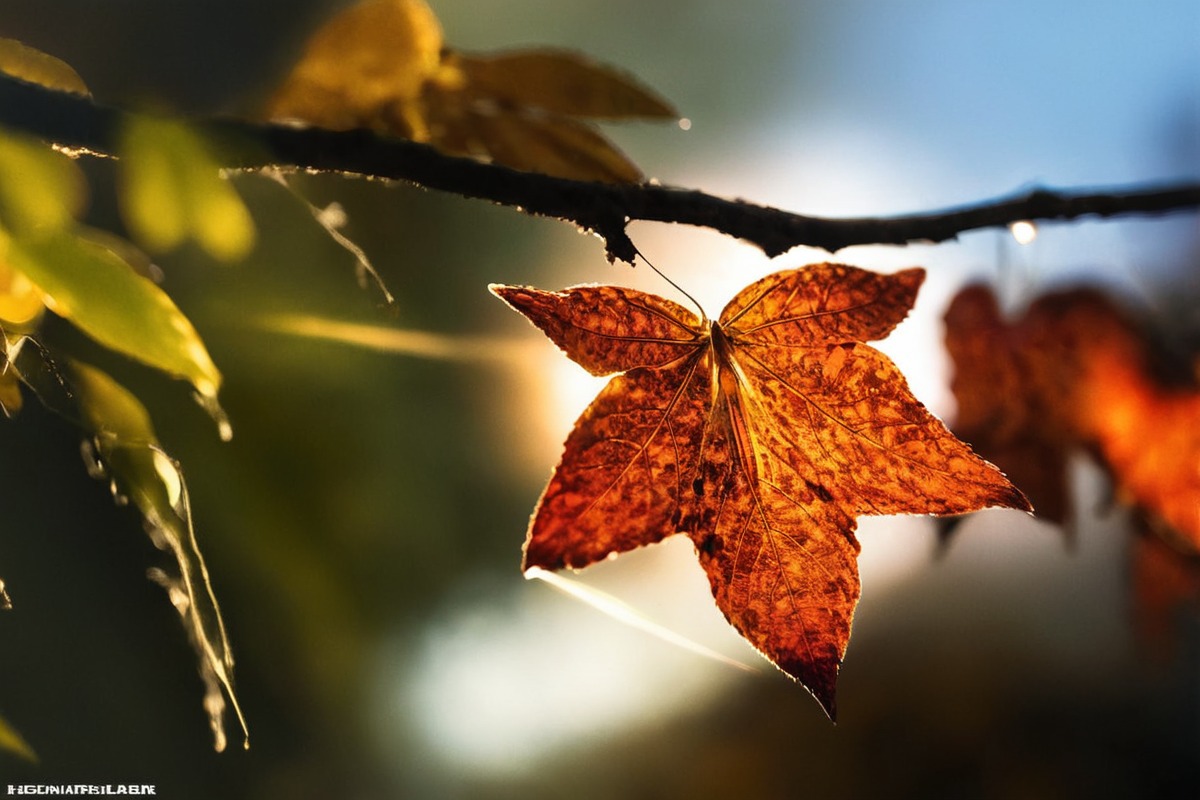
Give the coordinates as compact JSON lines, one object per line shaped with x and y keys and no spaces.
{"x":76,"y":122}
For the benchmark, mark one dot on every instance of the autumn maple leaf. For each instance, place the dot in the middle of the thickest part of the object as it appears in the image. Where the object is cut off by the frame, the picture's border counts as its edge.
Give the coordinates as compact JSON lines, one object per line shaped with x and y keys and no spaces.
{"x":762,"y":436}
{"x":1077,"y":372}
{"x":1008,"y":393}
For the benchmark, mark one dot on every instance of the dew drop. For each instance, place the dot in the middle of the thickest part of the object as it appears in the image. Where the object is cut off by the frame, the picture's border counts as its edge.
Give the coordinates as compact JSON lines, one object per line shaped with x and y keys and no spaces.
{"x":208,"y":401}
{"x":88,"y":448}
{"x":1023,"y":231}
{"x":331,"y":216}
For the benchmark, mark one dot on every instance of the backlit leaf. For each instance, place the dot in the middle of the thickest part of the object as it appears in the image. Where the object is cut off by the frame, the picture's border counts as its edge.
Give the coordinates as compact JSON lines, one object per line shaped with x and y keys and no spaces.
{"x":381,"y":65}
{"x":1079,"y":377}
{"x":128,"y":450}
{"x":1001,"y":388}
{"x":172,"y":189}
{"x":101,"y":294}
{"x":365,"y":67}
{"x":554,"y":145}
{"x":21,"y":303}
{"x":762,"y":436}
{"x":30,"y":64}
{"x":561,"y":82}
{"x":41,"y":191}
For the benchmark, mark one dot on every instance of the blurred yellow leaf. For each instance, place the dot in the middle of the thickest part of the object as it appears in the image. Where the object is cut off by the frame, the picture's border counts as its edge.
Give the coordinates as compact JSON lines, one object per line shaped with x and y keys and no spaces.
{"x":41,"y":191}
{"x":550,"y":144}
{"x":29,"y":64}
{"x":364,"y":67}
{"x":128,"y":449}
{"x":12,"y":742}
{"x":101,"y":294}
{"x":381,"y":65}
{"x":172,"y":189}
{"x":126,"y":250}
{"x":21,"y":302}
{"x":561,"y":82}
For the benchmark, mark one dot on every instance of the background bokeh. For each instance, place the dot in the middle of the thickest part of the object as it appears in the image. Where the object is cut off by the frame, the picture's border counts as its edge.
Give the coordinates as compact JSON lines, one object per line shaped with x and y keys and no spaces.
{"x":363,"y":527}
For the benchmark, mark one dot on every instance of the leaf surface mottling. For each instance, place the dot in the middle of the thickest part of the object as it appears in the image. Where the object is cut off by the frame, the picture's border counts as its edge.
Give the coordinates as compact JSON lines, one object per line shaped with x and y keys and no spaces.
{"x":762,"y":436}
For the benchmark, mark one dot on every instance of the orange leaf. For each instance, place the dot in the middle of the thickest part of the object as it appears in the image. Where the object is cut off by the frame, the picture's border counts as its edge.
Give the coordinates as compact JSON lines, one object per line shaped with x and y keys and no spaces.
{"x":1166,"y":593}
{"x":1075,"y":371}
{"x":1008,"y":400}
{"x":762,"y":436}
{"x":1145,"y":429}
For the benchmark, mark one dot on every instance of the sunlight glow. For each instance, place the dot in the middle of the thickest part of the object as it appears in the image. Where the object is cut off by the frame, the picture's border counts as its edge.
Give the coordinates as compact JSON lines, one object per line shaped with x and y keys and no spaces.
{"x":567,"y":389}
{"x":421,"y":344}
{"x":622,"y":612}
{"x":499,"y":685}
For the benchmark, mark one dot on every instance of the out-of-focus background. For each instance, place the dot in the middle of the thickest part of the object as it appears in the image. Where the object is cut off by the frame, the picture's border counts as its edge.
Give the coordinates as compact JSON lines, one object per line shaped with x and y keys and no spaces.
{"x":363,"y":527}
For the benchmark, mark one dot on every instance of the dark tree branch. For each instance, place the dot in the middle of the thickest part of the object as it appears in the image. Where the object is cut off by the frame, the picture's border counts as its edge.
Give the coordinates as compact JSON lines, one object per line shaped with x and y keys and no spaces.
{"x":605,"y":209}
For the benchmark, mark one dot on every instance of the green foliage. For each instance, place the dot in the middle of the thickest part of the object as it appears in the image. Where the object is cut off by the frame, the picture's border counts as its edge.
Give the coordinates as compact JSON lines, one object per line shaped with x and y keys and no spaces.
{"x":12,"y":742}
{"x":40,"y":191}
{"x":128,"y":450}
{"x":172,"y":190}
{"x":96,"y":289}
{"x":30,"y":64}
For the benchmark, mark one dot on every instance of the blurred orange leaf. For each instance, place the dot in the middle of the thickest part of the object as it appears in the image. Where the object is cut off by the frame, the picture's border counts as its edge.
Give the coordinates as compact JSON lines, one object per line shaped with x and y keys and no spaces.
{"x":762,"y":436}
{"x":1079,"y":375}
{"x":1006,"y":408}
{"x":1166,"y":587}
{"x":381,"y":64}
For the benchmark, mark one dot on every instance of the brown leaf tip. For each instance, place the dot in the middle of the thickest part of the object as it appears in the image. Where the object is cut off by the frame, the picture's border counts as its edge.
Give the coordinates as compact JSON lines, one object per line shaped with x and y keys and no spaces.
{"x":819,"y":678}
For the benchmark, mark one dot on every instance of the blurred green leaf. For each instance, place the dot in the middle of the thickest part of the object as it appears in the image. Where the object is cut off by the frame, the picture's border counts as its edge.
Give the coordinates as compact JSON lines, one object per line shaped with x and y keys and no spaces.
{"x":129,"y":452}
{"x":12,"y":742}
{"x":30,"y":64}
{"x":172,"y":189}
{"x":41,"y":191}
{"x":99,"y":292}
